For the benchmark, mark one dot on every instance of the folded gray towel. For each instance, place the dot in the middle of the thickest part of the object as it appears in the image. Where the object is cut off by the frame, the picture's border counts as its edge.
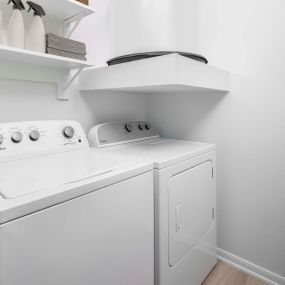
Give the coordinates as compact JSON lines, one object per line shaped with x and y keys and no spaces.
{"x":65,"y":47}
{"x":66,"y":54}
{"x":64,"y":44}
{"x":59,"y":38}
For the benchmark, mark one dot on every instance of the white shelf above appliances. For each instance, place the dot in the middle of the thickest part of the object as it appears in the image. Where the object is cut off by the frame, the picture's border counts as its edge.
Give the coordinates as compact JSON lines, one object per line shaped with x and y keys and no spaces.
{"x":169,"y":73}
{"x":65,"y":10}
{"x":24,"y":56}
{"x":62,"y":10}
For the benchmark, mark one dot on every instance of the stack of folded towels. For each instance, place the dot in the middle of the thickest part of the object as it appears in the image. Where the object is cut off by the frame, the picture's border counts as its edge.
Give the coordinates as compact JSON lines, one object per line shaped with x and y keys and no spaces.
{"x":61,"y":46}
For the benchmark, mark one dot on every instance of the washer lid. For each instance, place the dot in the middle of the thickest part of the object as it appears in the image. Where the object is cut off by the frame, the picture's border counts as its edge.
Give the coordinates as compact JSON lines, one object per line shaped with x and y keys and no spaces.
{"x":166,"y":152}
{"x":23,"y":177}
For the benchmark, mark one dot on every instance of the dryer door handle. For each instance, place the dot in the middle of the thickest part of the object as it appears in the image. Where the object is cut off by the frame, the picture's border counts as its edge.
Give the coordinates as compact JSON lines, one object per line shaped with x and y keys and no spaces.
{"x":178,"y":214}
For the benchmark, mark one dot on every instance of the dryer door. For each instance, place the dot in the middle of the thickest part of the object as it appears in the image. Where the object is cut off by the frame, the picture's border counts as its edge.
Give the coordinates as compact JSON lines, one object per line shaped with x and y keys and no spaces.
{"x":191,"y":206}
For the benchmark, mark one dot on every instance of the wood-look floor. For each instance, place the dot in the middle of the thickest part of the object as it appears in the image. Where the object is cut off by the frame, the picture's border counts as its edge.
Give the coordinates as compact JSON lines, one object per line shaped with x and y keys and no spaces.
{"x":224,"y":274}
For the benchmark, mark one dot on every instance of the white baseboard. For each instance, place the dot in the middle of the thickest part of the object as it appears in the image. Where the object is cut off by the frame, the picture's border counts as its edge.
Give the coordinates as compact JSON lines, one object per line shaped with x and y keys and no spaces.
{"x":250,"y":268}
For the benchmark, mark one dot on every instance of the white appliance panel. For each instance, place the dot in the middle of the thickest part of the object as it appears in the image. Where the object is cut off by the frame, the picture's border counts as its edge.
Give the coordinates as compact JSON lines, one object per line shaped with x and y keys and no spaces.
{"x":191,"y":206}
{"x":39,"y":138}
{"x":118,"y":133}
{"x":105,"y":237}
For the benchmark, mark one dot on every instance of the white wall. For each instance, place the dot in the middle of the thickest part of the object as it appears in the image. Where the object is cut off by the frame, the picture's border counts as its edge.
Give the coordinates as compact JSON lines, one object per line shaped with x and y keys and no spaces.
{"x":20,"y":100}
{"x":248,"y":125}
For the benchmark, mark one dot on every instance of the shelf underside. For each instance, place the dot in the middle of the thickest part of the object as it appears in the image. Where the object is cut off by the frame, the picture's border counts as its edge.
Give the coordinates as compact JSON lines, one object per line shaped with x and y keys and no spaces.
{"x":165,"y":88}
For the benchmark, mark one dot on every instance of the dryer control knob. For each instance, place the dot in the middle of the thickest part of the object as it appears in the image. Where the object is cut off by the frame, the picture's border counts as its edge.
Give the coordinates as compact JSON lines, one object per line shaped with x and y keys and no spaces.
{"x":35,"y":135}
{"x":17,"y":137}
{"x":129,"y":128}
{"x":1,"y":139}
{"x":68,"y":132}
{"x":148,"y":126}
{"x":141,"y":126}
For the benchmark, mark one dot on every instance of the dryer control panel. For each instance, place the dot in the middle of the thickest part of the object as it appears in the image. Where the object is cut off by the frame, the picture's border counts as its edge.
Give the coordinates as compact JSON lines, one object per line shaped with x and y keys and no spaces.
{"x":116,"y":133}
{"x":26,"y":139}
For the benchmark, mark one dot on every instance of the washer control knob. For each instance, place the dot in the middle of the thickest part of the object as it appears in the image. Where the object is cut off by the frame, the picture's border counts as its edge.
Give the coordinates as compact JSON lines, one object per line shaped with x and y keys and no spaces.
{"x":68,"y":132}
{"x":141,"y":126}
{"x":147,"y":126}
{"x":129,"y":128}
{"x":17,"y":137}
{"x":1,"y":139}
{"x":35,"y":135}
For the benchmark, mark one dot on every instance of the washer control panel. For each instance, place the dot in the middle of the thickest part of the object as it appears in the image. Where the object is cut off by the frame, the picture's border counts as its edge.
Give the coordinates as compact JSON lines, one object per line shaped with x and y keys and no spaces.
{"x":116,"y":133}
{"x":32,"y":138}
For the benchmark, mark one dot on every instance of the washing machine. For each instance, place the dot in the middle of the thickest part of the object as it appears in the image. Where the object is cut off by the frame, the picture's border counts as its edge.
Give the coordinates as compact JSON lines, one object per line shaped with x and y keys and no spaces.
{"x":70,"y":214}
{"x":185,"y":197}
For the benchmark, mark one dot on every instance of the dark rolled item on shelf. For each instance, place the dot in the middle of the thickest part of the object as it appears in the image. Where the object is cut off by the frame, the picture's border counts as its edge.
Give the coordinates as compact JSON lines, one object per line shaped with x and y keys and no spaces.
{"x":146,"y":55}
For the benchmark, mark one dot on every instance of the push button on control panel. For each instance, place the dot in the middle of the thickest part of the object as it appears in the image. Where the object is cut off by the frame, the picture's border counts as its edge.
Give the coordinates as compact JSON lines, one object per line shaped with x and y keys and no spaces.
{"x":17,"y":137}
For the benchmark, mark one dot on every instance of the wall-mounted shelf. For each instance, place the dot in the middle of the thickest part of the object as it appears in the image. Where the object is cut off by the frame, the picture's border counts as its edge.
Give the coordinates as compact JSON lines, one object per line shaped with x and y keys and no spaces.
{"x":21,"y":64}
{"x":65,"y":10}
{"x":23,"y":56}
{"x":62,"y":10}
{"x":169,"y":73}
